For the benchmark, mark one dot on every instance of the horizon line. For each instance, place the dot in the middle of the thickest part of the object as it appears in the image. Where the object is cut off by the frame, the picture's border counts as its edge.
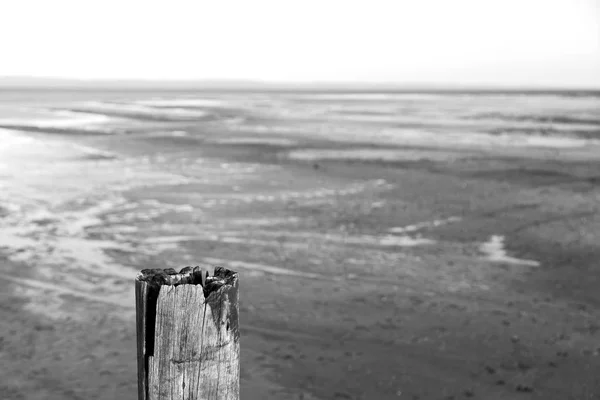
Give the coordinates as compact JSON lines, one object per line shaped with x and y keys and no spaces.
{"x":42,"y":82}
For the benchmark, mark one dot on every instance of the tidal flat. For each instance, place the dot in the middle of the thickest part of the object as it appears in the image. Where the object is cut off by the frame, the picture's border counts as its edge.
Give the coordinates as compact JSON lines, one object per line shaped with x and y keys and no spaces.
{"x":434,"y":265}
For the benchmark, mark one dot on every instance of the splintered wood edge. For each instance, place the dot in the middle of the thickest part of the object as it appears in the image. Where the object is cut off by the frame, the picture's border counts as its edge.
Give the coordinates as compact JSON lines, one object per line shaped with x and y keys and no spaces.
{"x":210,"y":278}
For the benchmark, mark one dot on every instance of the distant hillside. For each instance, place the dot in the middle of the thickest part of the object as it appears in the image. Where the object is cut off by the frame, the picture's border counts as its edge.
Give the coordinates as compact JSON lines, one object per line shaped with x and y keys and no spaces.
{"x":59,"y":83}
{"x":41,"y":82}
{"x":30,"y":83}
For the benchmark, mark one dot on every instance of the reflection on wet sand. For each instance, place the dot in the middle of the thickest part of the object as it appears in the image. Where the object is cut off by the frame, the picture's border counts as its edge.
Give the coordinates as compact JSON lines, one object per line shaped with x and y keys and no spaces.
{"x":371,"y":232}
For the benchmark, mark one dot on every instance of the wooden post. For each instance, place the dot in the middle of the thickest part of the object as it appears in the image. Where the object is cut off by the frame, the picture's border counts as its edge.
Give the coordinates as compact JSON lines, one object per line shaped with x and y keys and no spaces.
{"x":187,"y":334}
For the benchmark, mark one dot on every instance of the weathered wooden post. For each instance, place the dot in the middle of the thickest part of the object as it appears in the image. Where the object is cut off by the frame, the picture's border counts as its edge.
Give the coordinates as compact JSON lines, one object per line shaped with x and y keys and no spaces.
{"x":187,"y":334}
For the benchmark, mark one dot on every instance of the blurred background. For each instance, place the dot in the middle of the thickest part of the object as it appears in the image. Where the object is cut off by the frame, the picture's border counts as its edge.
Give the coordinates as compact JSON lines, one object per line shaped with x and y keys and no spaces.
{"x":409,"y":191}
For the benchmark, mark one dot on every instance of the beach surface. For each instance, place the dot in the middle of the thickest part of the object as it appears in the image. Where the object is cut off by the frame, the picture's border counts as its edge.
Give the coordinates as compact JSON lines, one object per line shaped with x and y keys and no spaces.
{"x":412,"y":246}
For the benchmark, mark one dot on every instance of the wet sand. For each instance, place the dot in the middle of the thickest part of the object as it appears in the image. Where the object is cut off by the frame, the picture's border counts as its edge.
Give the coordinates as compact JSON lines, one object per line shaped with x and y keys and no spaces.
{"x":403,"y":272}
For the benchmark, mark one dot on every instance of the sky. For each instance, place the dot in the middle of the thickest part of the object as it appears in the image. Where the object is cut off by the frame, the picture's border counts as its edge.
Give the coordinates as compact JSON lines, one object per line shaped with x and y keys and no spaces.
{"x":473,"y":42}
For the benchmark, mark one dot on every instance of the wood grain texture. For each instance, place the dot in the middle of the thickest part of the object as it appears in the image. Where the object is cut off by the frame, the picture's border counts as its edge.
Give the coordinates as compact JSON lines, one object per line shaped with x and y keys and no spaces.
{"x":188,"y":335}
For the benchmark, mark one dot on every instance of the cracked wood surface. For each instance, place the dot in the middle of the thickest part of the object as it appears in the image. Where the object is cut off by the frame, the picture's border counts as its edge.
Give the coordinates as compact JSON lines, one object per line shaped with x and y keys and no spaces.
{"x":188,"y":335}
